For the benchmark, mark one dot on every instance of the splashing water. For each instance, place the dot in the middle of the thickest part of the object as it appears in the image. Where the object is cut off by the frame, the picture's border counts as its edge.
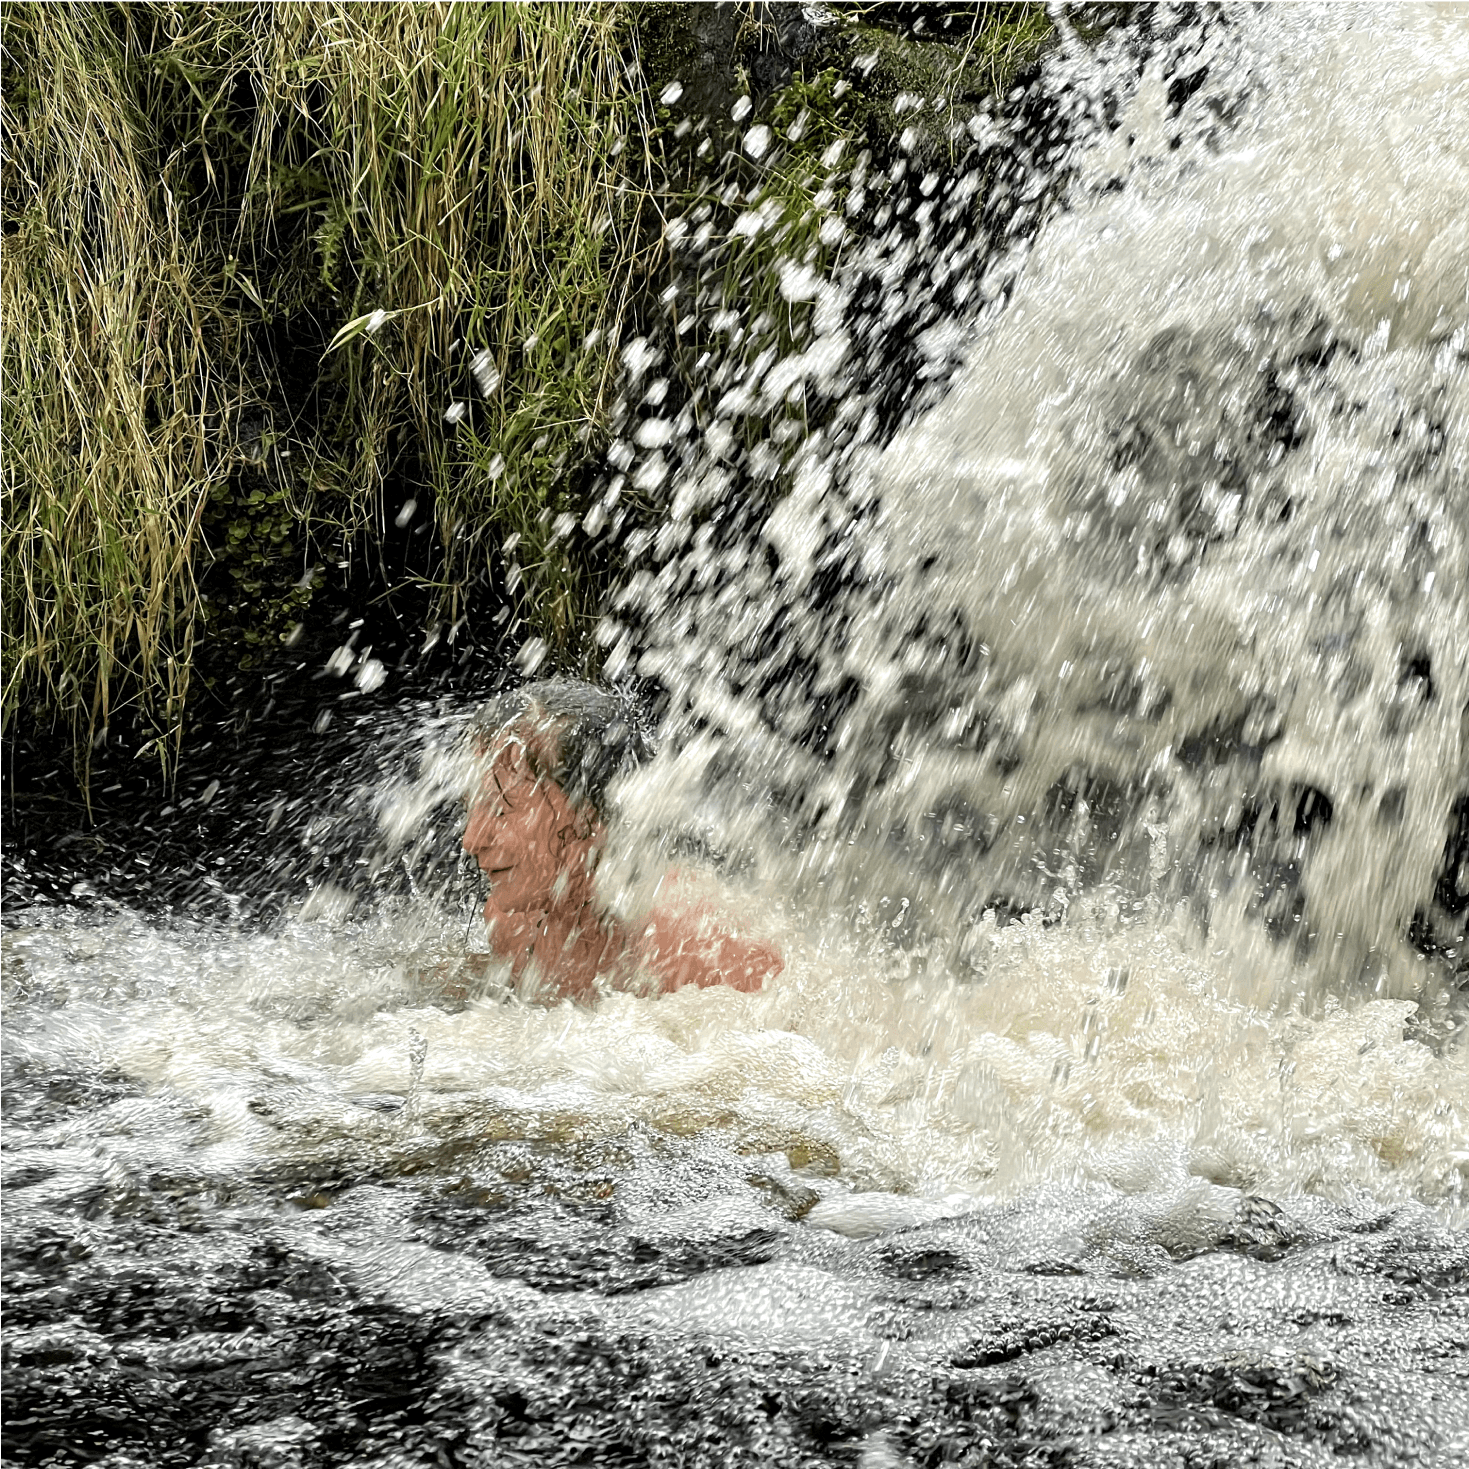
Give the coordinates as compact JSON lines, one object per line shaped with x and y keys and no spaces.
{"x":1169,"y":590}
{"x":1148,"y":632}
{"x":1159,"y":636}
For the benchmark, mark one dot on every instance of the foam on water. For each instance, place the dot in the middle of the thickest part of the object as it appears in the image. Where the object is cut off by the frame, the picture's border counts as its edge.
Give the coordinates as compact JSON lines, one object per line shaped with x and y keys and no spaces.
{"x":1098,"y":1051}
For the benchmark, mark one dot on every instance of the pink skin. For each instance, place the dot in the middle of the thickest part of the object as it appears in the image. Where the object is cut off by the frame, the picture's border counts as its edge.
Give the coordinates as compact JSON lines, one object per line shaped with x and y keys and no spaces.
{"x":539,"y":852}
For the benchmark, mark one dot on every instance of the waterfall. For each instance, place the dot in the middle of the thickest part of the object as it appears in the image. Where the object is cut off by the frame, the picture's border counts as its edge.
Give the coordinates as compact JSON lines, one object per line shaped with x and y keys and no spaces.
{"x":1164,"y":600}
{"x":1080,"y":705}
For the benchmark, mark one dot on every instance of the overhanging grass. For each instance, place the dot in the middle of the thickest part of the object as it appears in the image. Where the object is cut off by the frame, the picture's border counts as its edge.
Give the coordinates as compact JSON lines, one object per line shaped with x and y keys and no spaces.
{"x":183,"y":180}
{"x":110,"y":382}
{"x":473,"y":157}
{"x":199,"y":197}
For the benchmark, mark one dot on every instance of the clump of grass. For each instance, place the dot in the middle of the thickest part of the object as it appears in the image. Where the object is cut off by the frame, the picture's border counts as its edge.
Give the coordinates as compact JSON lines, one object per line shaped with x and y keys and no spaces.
{"x":1003,"y":39}
{"x":112,"y":327}
{"x":186,"y":185}
{"x":255,"y":250}
{"x":474,"y":159}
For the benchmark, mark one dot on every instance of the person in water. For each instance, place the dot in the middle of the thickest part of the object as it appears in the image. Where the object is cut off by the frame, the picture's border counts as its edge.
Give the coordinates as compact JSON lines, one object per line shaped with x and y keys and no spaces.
{"x":536,"y":827}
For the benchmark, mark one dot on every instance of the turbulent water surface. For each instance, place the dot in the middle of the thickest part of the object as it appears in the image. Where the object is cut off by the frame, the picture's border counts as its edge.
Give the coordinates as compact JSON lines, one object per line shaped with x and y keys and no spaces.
{"x":1095,"y":749}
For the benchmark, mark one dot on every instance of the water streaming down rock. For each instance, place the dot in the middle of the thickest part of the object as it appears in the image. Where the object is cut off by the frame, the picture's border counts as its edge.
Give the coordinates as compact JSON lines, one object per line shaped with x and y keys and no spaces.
{"x":1150,"y":627}
{"x":1175,"y":573}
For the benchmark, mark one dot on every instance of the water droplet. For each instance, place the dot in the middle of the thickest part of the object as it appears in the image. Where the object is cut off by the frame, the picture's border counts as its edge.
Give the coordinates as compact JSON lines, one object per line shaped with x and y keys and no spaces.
{"x":757,"y":141}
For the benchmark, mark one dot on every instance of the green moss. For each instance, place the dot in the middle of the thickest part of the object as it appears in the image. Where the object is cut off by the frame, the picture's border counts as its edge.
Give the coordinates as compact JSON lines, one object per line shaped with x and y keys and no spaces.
{"x":252,"y":592}
{"x":694,"y":45}
{"x":983,"y":63}
{"x":857,"y":90}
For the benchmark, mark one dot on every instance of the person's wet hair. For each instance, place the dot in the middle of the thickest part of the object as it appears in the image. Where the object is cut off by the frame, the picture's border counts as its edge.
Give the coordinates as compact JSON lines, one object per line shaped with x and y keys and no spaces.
{"x":596,"y":734}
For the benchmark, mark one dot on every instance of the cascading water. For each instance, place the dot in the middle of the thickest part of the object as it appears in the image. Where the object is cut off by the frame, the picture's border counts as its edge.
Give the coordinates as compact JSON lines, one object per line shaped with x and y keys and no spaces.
{"x":1175,"y":573}
{"x":1092,"y":750}
{"x":1154,"y":627}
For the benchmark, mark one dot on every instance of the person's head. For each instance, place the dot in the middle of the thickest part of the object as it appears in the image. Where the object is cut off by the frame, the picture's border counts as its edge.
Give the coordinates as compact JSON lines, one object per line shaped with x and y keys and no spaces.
{"x":576,"y":735}
{"x":551,"y":749}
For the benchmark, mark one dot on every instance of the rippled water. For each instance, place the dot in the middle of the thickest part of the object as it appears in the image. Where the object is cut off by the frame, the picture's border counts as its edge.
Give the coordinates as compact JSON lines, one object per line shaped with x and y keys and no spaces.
{"x":1092,"y":751}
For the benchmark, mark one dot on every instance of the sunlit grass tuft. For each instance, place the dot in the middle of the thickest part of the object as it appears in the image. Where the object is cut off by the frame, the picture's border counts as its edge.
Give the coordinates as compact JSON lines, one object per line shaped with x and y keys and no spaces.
{"x":182,"y":179}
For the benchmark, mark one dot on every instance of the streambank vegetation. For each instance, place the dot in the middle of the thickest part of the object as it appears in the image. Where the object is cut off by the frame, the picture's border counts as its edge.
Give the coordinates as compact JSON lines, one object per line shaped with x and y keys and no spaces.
{"x":327,"y":300}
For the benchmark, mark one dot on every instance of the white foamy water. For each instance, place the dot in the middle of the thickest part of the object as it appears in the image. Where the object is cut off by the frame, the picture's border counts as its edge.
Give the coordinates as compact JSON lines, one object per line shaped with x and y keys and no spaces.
{"x":1110,"y":501}
{"x":1101,"y":1051}
{"x":1168,"y":593}
{"x":1090,"y":740}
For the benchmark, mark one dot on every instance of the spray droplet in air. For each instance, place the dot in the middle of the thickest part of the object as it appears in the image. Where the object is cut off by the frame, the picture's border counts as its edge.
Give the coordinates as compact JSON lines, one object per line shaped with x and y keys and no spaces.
{"x":757,"y":141}
{"x":372,"y":675}
{"x":486,"y":374}
{"x":531,"y":656}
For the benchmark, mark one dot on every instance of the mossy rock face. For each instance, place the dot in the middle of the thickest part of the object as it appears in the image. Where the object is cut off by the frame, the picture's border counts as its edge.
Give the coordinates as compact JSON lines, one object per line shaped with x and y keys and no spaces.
{"x":693,"y":45}
{"x":915,"y":89}
{"x":251,"y":593}
{"x":906,"y":66}
{"x":280,"y":162}
{"x":893,"y":80}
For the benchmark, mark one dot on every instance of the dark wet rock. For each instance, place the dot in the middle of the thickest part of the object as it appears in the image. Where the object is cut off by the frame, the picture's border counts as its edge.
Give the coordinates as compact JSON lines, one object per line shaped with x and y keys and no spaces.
{"x":1195,"y":433}
{"x":533,"y":1314}
{"x":1412,"y":1270}
{"x":695,"y":47}
{"x":153,"y":1348}
{"x":784,"y":1190}
{"x":1452,"y":892}
{"x":1243,"y":736}
{"x":1261,"y":1229}
{"x":922,"y":1261}
{"x":1012,"y":1338}
{"x":28,"y":1092}
{"x":1276,"y":1393}
{"x":557,"y":1249}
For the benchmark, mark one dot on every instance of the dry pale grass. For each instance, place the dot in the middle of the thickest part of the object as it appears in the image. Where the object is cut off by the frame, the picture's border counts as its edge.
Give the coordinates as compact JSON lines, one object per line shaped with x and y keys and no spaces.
{"x":457,"y":169}
{"x":110,"y":388}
